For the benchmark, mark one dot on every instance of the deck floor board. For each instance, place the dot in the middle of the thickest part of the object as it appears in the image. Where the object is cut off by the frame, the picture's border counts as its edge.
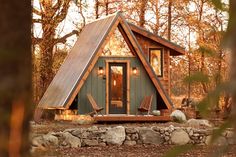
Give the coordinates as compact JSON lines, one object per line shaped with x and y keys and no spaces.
{"x":132,"y":118}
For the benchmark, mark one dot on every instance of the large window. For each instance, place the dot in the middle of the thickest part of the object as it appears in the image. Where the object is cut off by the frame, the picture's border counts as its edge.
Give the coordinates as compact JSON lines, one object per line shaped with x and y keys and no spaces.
{"x":116,"y":46}
{"x":156,"y":61}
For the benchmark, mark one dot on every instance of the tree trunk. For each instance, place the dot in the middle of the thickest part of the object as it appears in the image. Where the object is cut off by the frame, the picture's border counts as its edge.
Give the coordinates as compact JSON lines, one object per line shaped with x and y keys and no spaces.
{"x":169,"y":19}
{"x":143,"y":8}
{"x":15,"y":80}
{"x":96,"y":9}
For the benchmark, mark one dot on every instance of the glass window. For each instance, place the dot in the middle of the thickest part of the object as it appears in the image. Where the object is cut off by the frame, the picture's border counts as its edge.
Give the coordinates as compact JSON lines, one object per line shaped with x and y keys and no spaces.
{"x":116,"y":46}
{"x":155,"y":59}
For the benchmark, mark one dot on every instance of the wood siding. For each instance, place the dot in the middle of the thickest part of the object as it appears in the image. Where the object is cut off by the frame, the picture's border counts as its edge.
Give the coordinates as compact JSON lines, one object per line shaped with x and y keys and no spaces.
{"x":140,"y":86}
{"x":146,"y":44}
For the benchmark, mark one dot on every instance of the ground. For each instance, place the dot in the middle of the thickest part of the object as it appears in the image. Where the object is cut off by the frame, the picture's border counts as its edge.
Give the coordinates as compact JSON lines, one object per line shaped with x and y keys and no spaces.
{"x":130,"y":151}
{"x":137,"y":151}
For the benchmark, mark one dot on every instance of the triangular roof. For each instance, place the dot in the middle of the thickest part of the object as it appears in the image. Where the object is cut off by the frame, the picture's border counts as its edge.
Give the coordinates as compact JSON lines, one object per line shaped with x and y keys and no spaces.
{"x":82,"y":58}
{"x":175,"y":49}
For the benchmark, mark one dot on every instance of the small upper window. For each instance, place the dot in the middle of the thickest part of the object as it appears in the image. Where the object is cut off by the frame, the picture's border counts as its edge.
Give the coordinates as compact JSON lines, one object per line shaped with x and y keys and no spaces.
{"x":116,"y":46}
{"x":155,"y":59}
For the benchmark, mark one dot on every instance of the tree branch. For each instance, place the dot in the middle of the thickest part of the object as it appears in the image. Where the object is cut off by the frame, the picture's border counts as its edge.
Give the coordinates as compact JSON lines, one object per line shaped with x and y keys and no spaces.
{"x":63,"y":39}
{"x":37,"y":20}
{"x":37,"y":12}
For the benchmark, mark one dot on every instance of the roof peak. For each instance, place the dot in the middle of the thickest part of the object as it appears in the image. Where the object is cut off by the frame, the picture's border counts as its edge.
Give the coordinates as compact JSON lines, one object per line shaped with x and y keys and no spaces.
{"x":118,"y":13}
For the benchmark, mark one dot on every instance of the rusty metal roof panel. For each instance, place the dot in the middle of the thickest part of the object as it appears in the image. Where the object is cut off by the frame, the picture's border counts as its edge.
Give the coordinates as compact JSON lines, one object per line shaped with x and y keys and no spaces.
{"x":75,"y":65}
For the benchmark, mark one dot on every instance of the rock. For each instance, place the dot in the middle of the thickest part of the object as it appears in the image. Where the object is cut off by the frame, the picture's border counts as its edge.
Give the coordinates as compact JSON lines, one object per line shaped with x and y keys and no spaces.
{"x":171,"y":128}
{"x":190,"y":133}
{"x":167,"y":133}
{"x":198,"y":123}
{"x":127,"y":137}
{"x":134,"y":137}
{"x":156,"y":112}
{"x":229,"y":134}
{"x":90,"y":142}
{"x":50,"y":140}
{"x":131,"y":130}
{"x":178,"y":116}
{"x":167,"y":138}
{"x":208,"y":140}
{"x":93,"y":128}
{"x":77,"y":132}
{"x":103,"y":144}
{"x":115,"y":135}
{"x":130,"y":143}
{"x":149,"y":136}
{"x":72,"y":140}
{"x":196,"y":135}
{"x":38,"y":141}
{"x":180,"y":137}
{"x":220,"y":141}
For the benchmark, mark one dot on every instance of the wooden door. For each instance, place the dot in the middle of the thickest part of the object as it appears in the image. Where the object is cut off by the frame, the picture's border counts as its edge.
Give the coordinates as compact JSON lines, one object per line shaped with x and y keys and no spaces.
{"x":117,"y":88}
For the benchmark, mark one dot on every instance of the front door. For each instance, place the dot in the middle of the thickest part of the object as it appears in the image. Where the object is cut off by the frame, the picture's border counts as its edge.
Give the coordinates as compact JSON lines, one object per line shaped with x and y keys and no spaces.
{"x":117,"y":88}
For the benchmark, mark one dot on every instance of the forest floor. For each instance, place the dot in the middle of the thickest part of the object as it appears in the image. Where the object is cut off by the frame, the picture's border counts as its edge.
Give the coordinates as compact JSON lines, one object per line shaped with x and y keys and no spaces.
{"x":124,"y":151}
{"x":139,"y":151}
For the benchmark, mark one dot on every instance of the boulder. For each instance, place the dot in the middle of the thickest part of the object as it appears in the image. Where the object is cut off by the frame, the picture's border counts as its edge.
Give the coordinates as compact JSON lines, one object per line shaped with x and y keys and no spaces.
{"x":71,"y":140}
{"x":180,"y":137}
{"x":220,"y":141}
{"x":45,"y":141}
{"x":178,"y":116}
{"x":50,"y":140}
{"x":199,"y":123}
{"x":115,"y":135}
{"x":148,"y":136}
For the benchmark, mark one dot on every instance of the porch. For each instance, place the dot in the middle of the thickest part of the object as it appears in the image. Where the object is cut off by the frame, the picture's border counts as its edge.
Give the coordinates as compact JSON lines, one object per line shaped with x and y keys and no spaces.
{"x":131,"y":118}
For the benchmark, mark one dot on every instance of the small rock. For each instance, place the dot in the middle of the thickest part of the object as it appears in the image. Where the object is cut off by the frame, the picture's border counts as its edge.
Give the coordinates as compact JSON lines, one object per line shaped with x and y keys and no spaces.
{"x":130,"y":130}
{"x":102,"y":144}
{"x":134,"y":137}
{"x":93,"y":128}
{"x":167,"y":138}
{"x":130,"y":143}
{"x":190,"y":133}
{"x":162,"y":131}
{"x":156,"y":112}
{"x":196,"y":135}
{"x":167,"y":133}
{"x":127,"y":137}
{"x":90,"y":142}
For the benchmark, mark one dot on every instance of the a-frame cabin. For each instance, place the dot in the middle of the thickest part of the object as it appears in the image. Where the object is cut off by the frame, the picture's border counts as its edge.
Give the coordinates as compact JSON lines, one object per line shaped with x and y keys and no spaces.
{"x":118,"y":64}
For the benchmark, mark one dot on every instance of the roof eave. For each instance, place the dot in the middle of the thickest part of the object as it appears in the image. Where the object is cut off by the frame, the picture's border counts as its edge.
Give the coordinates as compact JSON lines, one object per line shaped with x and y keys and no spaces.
{"x":175,"y":49}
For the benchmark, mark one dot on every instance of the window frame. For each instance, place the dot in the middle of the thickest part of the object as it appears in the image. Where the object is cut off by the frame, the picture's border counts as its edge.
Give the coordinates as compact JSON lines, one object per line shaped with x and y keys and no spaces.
{"x":161,"y":59}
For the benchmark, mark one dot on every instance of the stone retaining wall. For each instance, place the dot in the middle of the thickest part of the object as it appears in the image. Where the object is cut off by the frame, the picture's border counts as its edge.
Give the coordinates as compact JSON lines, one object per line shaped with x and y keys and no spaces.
{"x":119,"y":135}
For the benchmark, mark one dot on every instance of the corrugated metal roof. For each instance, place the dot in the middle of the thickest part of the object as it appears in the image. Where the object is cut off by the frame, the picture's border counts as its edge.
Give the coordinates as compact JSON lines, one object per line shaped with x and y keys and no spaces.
{"x":72,"y":70}
{"x":71,"y":74}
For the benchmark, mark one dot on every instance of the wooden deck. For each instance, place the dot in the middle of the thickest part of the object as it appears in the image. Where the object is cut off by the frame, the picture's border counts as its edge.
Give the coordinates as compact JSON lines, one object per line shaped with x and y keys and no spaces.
{"x":131,"y":118}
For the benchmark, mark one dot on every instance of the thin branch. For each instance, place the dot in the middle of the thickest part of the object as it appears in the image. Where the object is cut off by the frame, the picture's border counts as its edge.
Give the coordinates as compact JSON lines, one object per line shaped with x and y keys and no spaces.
{"x":63,"y":39}
{"x":37,"y":20}
{"x":37,"y":12}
